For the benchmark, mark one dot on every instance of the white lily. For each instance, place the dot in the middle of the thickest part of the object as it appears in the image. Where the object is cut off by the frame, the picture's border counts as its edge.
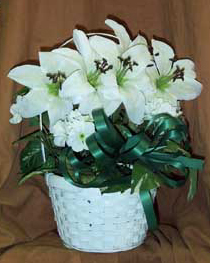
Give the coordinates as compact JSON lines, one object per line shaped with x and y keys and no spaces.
{"x":129,"y":60}
{"x":170,"y":79}
{"x":44,"y":82}
{"x":94,"y":84}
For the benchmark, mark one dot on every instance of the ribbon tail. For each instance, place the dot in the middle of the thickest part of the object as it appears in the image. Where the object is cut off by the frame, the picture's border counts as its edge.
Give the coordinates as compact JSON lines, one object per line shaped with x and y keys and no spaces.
{"x":193,"y":184}
{"x":147,"y":203}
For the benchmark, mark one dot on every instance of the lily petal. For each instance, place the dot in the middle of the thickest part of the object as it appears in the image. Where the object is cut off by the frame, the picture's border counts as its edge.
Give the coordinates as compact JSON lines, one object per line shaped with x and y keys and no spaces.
{"x":83,"y":46}
{"x":110,"y":99}
{"x":143,"y":83}
{"x":108,"y":80}
{"x":109,"y":93}
{"x":188,"y":65}
{"x":71,"y":54}
{"x":30,"y":76}
{"x":90,"y":102}
{"x":52,"y":62}
{"x":58,"y":109}
{"x":120,"y":32}
{"x":76,"y":85}
{"x":106,"y":48}
{"x":110,"y":106}
{"x":141,"y":55}
{"x":15,"y":110}
{"x":152,"y":73}
{"x":188,"y":89}
{"x":33,"y":103}
{"x":163,"y":54}
{"x":139,"y":40}
{"x":134,"y":103}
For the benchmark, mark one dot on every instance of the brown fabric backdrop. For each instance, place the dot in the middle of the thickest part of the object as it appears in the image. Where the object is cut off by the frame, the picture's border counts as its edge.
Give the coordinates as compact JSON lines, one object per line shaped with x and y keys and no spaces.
{"x":27,"y":229}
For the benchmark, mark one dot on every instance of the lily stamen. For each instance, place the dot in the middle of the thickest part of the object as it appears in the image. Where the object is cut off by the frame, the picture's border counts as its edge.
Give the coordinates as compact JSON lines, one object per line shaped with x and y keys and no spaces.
{"x":57,"y":77}
{"x":126,"y":65}
{"x":102,"y":67}
{"x":162,"y":82}
{"x":178,"y":73}
{"x":57,"y":80}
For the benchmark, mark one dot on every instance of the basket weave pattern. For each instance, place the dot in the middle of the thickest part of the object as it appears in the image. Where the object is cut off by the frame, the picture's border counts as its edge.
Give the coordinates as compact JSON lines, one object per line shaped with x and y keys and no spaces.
{"x":89,"y":221}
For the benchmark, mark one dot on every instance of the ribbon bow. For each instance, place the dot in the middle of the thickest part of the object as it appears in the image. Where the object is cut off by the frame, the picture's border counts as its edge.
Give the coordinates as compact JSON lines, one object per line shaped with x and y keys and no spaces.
{"x":143,"y":161}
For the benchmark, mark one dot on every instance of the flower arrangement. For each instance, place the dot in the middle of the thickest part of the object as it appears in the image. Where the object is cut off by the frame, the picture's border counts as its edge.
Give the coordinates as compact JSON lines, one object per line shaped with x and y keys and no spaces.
{"x":109,"y":112}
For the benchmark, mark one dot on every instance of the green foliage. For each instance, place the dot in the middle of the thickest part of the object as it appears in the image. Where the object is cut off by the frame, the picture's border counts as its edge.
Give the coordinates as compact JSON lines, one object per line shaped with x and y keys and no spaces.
{"x":48,"y":166}
{"x":143,"y":178}
{"x":22,"y":91}
{"x":28,"y":176}
{"x":193,"y":184}
{"x":35,"y":121}
{"x":173,"y":147}
{"x":31,"y":156}
{"x":115,"y":188}
{"x":148,"y":156}
{"x":29,"y":137}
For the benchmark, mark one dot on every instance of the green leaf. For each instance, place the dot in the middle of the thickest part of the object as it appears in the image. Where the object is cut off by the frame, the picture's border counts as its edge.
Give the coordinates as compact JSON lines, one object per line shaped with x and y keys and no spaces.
{"x":143,"y":178}
{"x":29,"y":175}
{"x":45,"y":119}
{"x":31,"y":157}
{"x":48,"y":166}
{"x":174,"y":147}
{"x":50,"y":163}
{"x":29,"y":137}
{"x":193,"y":176}
{"x":36,"y":122}
{"x":22,"y":91}
{"x":115,"y":188}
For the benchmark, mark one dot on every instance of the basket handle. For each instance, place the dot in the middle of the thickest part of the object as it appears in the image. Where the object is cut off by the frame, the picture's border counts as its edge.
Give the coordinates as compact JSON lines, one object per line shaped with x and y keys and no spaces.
{"x":88,"y":34}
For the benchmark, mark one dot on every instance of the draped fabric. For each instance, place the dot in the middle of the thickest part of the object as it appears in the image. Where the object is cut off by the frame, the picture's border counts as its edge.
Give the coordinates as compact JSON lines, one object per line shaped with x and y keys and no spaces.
{"x":27,"y":228}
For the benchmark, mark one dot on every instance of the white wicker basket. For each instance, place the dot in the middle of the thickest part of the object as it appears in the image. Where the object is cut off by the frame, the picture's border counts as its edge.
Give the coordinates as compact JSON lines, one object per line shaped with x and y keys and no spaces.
{"x":91,"y":222}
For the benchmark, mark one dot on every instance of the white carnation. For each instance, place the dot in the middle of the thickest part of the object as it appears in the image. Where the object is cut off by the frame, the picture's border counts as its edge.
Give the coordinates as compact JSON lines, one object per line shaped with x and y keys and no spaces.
{"x":156,"y":105}
{"x":78,"y":135}
{"x":73,"y":131}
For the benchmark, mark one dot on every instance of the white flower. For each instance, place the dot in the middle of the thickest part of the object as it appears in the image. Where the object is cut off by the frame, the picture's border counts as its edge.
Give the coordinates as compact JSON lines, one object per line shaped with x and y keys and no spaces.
{"x":44,"y":82}
{"x":94,"y":84}
{"x":60,"y":133}
{"x":78,"y":135}
{"x":156,"y":105}
{"x":73,"y":131}
{"x":170,"y":78}
{"x":129,"y":60}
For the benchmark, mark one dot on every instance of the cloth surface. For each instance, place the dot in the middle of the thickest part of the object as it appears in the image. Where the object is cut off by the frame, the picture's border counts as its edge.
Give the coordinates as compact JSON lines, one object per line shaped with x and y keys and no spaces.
{"x":27,"y":228}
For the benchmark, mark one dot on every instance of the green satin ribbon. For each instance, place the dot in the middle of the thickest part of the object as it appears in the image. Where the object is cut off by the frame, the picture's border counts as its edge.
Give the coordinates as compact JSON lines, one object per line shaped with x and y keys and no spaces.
{"x":147,"y":203}
{"x":151,"y":146}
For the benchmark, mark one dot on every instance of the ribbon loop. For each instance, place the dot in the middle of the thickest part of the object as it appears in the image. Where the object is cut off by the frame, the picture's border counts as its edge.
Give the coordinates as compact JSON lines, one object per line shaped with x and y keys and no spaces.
{"x":161,"y":146}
